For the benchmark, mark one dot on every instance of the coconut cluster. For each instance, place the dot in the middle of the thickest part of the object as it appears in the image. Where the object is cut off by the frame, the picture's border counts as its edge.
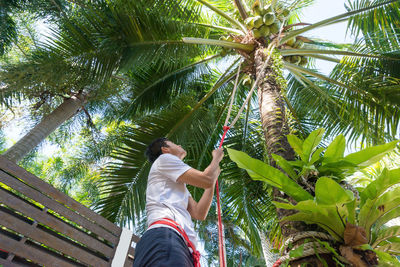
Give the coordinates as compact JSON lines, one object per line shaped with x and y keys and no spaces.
{"x":298,"y":60}
{"x":295,"y":43}
{"x":266,"y":20}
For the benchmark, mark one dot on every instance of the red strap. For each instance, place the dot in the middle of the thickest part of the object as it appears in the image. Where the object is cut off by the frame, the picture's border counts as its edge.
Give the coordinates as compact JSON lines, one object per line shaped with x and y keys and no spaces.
{"x":175,"y":225}
{"x":225,"y":128}
{"x":221,"y":243}
{"x":277,"y":263}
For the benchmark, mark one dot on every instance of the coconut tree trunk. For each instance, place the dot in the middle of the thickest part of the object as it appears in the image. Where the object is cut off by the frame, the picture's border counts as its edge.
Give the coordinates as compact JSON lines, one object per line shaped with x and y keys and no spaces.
{"x":272,"y":110}
{"x":66,"y":110}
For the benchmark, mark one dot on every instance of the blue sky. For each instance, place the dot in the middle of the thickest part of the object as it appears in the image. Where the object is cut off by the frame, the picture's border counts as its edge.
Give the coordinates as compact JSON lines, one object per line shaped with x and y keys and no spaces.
{"x":323,"y":9}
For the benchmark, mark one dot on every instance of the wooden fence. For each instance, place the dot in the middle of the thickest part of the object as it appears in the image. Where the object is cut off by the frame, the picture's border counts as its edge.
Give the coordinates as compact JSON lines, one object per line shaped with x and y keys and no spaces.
{"x":41,"y":226}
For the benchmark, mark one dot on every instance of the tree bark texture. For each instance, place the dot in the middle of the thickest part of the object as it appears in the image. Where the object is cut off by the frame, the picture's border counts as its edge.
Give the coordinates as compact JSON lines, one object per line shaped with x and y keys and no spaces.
{"x":272,"y":110}
{"x":274,"y":123}
{"x":49,"y":123}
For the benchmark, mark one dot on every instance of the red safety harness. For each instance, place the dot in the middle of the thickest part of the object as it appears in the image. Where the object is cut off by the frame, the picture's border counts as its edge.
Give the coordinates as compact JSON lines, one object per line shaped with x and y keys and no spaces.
{"x":176,"y":226}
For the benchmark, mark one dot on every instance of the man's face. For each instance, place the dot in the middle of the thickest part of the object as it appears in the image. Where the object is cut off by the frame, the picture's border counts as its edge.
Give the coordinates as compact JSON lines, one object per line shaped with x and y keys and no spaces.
{"x":174,"y":149}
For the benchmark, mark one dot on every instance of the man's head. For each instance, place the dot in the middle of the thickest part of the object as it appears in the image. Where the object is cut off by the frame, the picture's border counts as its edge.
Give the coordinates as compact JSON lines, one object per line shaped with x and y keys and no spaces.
{"x":161,"y":146}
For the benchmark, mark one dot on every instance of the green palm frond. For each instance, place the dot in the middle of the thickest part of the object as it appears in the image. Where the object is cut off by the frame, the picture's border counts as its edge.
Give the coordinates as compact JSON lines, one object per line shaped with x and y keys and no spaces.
{"x":300,"y":4}
{"x":323,"y":44}
{"x":372,"y":119}
{"x":124,"y":33}
{"x":384,"y":19}
{"x":339,"y":18}
{"x":42,"y":73}
{"x":157,"y":85}
{"x":379,"y":80}
{"x":363,"y":89}
{"x":216,"y":6}
{"x":388,"y":62}
{"x":8,"y":31}
{"x":226,"y":6}
{"x":316,"y":104}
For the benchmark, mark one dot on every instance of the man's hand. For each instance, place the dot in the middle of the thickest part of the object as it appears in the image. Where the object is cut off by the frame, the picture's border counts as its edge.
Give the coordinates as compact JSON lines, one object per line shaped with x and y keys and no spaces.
{"x":218,"y":154}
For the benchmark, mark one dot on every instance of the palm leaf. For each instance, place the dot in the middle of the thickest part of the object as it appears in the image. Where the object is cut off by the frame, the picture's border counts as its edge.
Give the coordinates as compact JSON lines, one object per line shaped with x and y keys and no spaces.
{"x":384,"y":19}
{"x":157,"y":85}
{"x":121,"y":34}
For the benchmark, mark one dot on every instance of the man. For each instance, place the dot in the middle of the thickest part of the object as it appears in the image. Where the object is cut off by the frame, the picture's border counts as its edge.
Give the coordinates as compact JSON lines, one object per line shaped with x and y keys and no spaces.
{"x":170,"y":207}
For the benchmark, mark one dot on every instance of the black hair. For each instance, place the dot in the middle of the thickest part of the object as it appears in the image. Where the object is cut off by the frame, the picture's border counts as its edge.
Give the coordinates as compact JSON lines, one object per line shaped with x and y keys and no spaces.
{"x":153,"y":150}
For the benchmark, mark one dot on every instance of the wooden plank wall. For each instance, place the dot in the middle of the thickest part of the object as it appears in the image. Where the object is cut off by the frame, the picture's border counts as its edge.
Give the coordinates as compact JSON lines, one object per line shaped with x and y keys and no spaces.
{"x":41,"y":226}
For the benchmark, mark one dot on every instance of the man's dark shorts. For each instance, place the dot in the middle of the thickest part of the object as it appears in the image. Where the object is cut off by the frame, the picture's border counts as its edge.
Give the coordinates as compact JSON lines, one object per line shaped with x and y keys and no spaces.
{"x":162,"y":247}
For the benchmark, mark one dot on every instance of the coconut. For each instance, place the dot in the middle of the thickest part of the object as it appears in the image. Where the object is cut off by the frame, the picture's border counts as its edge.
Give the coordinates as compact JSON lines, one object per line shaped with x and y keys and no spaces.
{"x":223,"y":52}
{"x":296,"y":59}
{"x":257,"y":33}
{"x":303,"y":61}
{"x":298,"y":43}
{"x":258,"y":21}
{"x":249,"y":22}
{"x":274,"y":27}
{"x":269,"y":18}
{"x":291,"y":41}
{"x":264,"y":30}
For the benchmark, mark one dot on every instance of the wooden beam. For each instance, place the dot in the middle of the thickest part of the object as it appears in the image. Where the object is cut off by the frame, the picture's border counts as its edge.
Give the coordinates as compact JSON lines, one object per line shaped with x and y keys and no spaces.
{"x":33,"y":253}
{"x":34,"y":181}
{"x":28,"y":230}
{"x":56,"y":206}
{"x":12,"y":201}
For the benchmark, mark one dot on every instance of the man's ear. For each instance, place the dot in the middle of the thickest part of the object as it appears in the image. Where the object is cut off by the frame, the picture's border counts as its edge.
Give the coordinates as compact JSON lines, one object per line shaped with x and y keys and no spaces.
{"x":164,"y":149}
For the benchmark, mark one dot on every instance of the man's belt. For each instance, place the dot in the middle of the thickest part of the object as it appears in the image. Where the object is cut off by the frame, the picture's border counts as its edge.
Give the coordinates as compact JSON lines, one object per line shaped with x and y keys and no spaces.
{"x":176,"y":226}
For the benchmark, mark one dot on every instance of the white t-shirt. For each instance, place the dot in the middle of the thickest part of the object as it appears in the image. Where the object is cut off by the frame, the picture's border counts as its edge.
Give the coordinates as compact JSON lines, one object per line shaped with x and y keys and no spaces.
{"x":165,"y":198}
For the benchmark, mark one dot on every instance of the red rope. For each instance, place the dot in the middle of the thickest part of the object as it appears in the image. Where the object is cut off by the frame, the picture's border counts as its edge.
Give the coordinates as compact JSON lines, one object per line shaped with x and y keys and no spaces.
{"x":226,"y":128}
{"x":221,"y":242}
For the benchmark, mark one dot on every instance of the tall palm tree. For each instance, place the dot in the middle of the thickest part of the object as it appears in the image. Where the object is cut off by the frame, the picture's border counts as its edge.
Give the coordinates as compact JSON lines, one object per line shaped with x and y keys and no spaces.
{"x":57,"y":91}
{"x":164,"y":46}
